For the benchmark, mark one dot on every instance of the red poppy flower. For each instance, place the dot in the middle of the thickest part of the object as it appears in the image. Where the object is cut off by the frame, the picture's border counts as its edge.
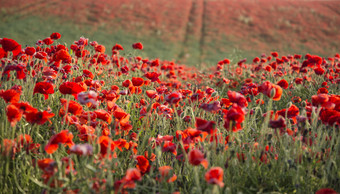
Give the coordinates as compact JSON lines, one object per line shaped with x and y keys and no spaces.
{"x":186,"y":93}
{"x":143,"y":164}
{"x":13,"y":114}
{"x":25,"y":141}
{"x":64,"y":137}
{"x":234,"y":117}
{"x":151,"y":157}
{"x":72,"y":107}
{"x":173,"y":98}
{"x":256,"y":59}
{"x":100,"y":48}
{"x":296,"y":56}
{"x":48,"y":72}
{"x":70,"y":88}
{"x":133,"y":174}
{"x":204,"y":125}
{"x":82,"y":53}
{"x":10,"y":95}
{"x":103,"y":115}
{"x":322,"y":91}
{"x":117,"y":47}
{"x":293,"y":111}
{"x":82,"y":42}
{"x":55,"y":36}
{"x":19,"y":68}
{"x":62,"y":55}
{"x":121,"y":143}
{"x":121,"y":116}
{"x":137,"y":45}
{"x":283,"y":83}
{"x":94,"y":43}
{"x":71,"y":120}
{"x":169,"y":147}
{"x":260,"y":101}
{"x":74,"y":47}
{"x":296,"y":99}
{"x":60,"y":47}
{"x":44,"y":88}
{"x":312,"y":60}
{"x":127,"y":83}
{"x":325,"y":191}
{"x":3,"y":53}
{"x":30,"y":51}
{"x":330,"y":117}
{"x":164,"y":173}
{"x":236,"y":113}
{"x":279,"y":123}
{"x":87,"y":73}
{"x":128,"y":182}
{"x":48,"y":165}
{"x":11,"y":45}
{"x":106,"y":144}
{"x":151,"y":94}
{"x":38,"y":117}
{"x":215,"y":176}
{"x":209,"y":91}
{"x":153,"y":76}
{"x":67,"y":69}
{"x":319,"y":70}
{"x":226,"y":61}
{"x":273,"y":65}
{"x":226,"y":102}
{"x":41,"y":55}
{"x":320,"y":99}
{"x":271,"y":90}
{"x":196,"y":157}
{"x":237,"y":98}
{"x":274,"y":54}
{"x":86,"y":133}
{"x":25,"y":107}
{"x":137,"y":81}
{"x":48,"y":41}
{"x":190,"y":134}
{"x":155,"y":63}
{"x":298,"y":80}
{"x":9,"y":147}
{"x":212,"y":107}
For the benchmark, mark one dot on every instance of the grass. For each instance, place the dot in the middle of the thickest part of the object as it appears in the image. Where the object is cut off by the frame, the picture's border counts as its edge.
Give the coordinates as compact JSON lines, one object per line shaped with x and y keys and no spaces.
{"x":29,"y":29}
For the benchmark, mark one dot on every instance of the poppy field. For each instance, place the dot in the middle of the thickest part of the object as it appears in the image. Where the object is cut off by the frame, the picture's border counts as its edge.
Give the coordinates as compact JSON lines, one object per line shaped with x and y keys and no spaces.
{"x":85,"y":118}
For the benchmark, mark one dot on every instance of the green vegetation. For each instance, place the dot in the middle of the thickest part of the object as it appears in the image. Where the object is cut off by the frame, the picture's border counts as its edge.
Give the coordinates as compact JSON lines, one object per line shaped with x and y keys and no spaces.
{"x":300,"y":155}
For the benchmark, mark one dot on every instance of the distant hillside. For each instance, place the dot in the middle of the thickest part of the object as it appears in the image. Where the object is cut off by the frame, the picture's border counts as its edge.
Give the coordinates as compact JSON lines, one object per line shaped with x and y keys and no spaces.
{"x":192,"y":31}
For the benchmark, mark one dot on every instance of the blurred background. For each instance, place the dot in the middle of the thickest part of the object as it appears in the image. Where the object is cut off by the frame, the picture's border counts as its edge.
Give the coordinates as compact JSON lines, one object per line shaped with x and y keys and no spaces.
{"x":189,"y":31}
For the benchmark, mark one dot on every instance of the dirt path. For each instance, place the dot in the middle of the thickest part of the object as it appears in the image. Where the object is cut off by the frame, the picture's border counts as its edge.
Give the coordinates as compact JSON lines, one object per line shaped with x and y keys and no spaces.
{"x":202,"y":35}
{"x":194,"y":31}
